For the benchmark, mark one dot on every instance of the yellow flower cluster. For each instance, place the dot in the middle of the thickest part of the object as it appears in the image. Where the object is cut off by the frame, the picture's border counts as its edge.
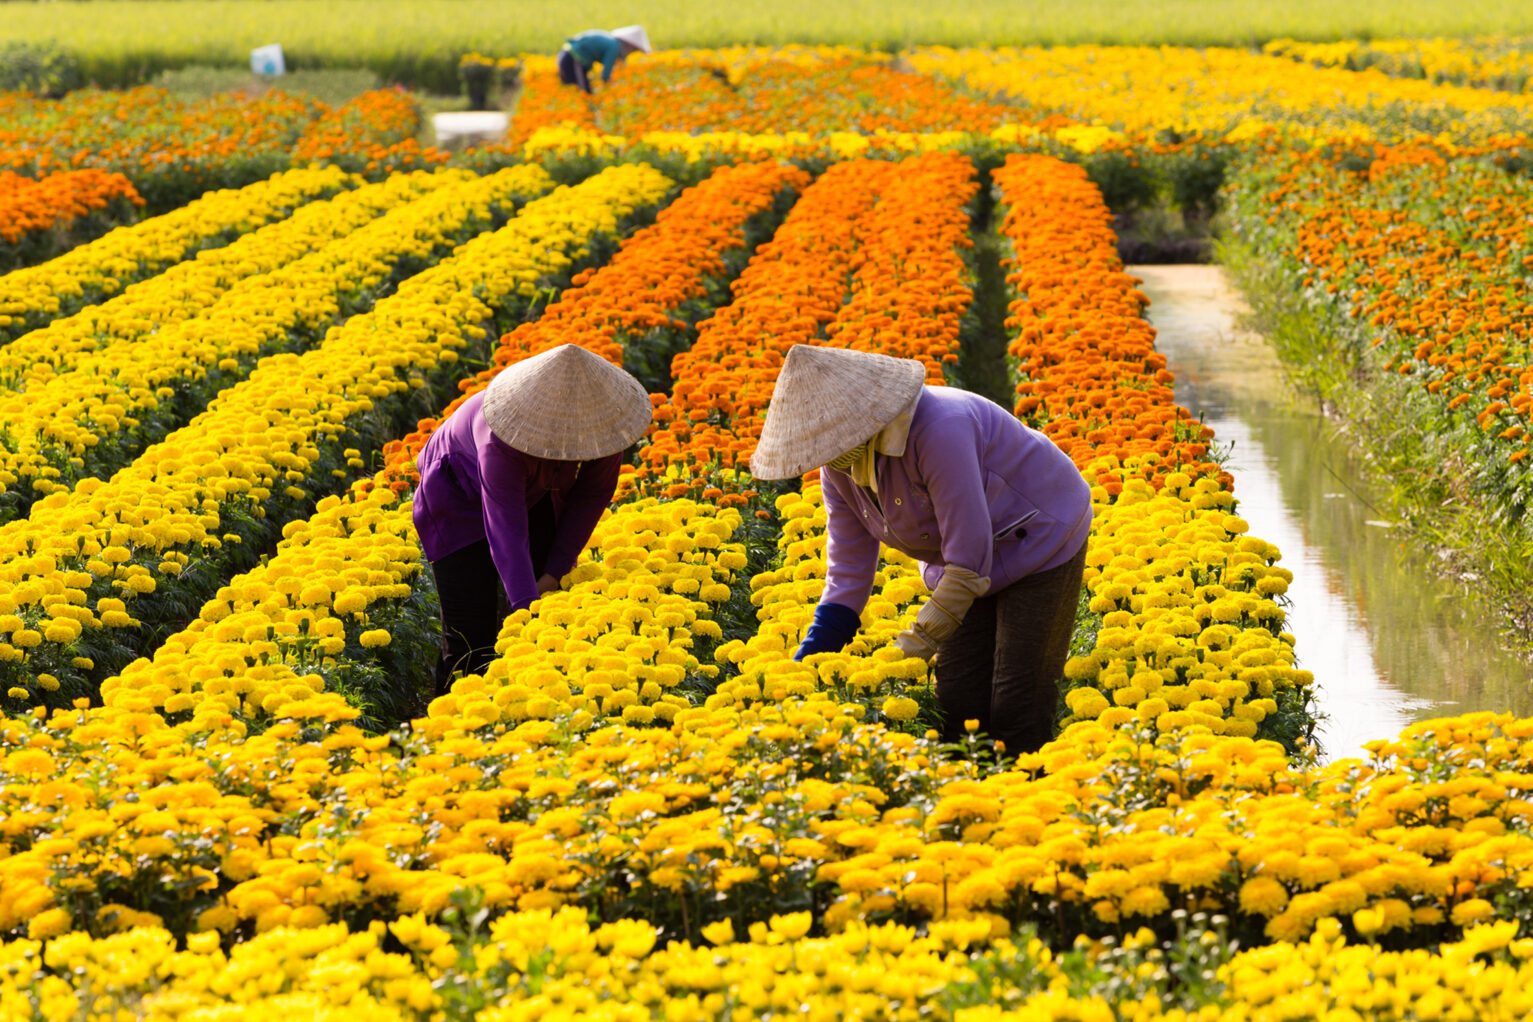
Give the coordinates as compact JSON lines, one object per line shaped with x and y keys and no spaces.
{"x":263,"y":436}
{"x":1495,"y":61}
{"x":260,"y":647}
{"x":1190,"y":634}
{"x":1217,"y":92}
{"x":187,"y":289}
{"x":728,"y":146}
{"x":84,"y":275}
{"x":91,"y":377}
{"x":868,"y":671}
{"x":615,"y":642}
{"x":556,"y":965}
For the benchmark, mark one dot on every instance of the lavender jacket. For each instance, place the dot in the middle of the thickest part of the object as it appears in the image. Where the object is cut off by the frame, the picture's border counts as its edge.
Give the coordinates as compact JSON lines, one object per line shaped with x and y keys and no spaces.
{"x":975,"y":487}
{"x":475,"y":486}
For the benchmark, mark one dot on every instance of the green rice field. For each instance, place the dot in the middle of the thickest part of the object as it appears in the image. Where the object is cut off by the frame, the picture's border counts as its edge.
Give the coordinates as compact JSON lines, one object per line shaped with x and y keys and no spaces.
{"x":418,"y":42}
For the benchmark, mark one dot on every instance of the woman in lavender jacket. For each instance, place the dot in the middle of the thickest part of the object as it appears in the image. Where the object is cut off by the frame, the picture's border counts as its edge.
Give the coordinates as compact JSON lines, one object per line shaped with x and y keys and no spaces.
{"x":998,"y":515}
{"x":513,"y":484}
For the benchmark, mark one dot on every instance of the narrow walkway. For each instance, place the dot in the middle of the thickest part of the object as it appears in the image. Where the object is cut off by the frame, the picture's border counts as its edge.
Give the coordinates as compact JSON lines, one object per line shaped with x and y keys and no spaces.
{"x":1388,"y":642}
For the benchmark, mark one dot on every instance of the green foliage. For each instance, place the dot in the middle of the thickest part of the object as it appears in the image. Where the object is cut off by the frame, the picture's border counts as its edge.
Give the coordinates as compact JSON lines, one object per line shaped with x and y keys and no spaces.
{"x":43,"y":69}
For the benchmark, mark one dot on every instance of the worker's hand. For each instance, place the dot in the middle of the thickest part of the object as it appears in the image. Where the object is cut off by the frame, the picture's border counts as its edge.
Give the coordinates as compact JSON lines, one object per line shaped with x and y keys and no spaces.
{"x":915,"y":643}
{"x":547,"y":584}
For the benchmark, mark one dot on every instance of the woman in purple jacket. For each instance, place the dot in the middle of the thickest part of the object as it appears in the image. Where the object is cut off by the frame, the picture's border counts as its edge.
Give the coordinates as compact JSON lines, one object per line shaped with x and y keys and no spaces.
{"x":998,"y":515}
{"x":513,"y":484}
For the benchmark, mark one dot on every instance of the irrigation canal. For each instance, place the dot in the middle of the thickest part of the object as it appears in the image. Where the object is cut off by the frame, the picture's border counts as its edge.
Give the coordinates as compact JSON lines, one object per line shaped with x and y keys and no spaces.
{"x":1388,"y":640}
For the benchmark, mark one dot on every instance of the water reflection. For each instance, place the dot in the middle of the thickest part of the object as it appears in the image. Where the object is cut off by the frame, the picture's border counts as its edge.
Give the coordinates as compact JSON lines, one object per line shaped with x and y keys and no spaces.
{"x":1388,"y":641}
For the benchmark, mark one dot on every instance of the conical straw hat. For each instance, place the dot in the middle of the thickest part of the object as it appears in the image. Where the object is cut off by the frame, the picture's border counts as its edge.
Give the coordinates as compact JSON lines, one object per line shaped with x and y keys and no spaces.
{"x":567,"y":404}
{"x":828,"y":401}
{"x":635,"y":36}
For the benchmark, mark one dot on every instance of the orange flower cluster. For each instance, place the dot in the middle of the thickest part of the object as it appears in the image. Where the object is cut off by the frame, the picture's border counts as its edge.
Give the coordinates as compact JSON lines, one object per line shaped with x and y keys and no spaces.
{"x":868,"y":259}
{"x":28,"y":205}
{"x":1090,"y":377}
{"x":546,"y":102}
{"x":1429,"y":254}
{"x":779,"y":96}
{"x":372,"y":134}
{"x":653,"y":278}
{"x":169,"y":148}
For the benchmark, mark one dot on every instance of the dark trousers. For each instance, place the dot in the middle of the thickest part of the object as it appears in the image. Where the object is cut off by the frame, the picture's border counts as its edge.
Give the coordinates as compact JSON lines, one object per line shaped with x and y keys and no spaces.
{"x":1002,"y":667}
{"x":571,"y":73}
{"x":473,"y":601}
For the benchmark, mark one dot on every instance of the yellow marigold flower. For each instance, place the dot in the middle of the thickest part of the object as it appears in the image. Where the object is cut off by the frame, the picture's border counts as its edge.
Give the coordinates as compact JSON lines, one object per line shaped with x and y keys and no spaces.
{"x":1262,"y":895}
{"x":901,"y":708}
{"x":1148,"y":900}
{"x":1474,"y":910}
{"x":374,"y":637}
{"x":719,"y":933}
{"x":638,"y":714}
{"x":50,"y":923}
{"x":791,"y":926}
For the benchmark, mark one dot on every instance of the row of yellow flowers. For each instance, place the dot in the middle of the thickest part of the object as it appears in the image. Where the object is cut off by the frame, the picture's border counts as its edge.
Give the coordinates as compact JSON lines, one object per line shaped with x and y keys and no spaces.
{"x":1226,"y":93}
{"x":1501,"y":62}
{"x":90,"y":273}
{"x":73,"y":567}
{"x":318,"y":636}
{"x":609,"y":973}
{"x":99,"y":387}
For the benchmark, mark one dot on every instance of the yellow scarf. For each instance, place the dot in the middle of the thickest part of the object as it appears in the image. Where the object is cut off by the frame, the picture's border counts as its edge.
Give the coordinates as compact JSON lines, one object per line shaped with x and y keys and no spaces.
{"x":860,"y":462}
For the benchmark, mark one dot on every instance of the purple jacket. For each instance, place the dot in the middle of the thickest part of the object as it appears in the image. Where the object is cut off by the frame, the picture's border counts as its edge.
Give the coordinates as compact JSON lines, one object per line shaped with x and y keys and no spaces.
{"x":975,"y":487}
{"x":475,"y":486}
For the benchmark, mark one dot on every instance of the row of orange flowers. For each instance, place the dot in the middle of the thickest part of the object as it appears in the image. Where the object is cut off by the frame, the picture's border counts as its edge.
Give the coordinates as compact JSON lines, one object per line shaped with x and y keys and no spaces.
{"x":1190,"y":632}
{"x":373,"y":134}
{"x":632,"y":304}
{"x":59,"y":201}
{"x":836,"y":94}
{"x":1426,"y":254}
{"x":174,"y":150}
{"x":833,"y":274}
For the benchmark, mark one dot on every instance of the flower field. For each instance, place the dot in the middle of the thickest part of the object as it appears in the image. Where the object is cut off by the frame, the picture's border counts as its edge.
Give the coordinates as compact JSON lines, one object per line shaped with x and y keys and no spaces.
{"x":225,"y":788}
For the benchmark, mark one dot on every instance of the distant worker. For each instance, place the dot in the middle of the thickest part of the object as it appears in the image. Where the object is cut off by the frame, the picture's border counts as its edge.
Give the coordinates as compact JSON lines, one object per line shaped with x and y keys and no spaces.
{"x":512,"y":486}
{"x":582,"y":51}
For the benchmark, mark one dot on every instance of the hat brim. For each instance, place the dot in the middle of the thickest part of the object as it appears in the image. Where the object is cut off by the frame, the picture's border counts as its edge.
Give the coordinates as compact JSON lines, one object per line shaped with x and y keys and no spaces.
{"x":829,"y":401}
{"x":567,"y":404}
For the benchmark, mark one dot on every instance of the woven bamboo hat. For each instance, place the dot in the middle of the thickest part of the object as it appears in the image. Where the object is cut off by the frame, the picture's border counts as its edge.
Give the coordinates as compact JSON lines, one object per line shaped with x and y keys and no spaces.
{"x":567,"y":404}
{"x":826,"y":402}
{"x":635,"y":36}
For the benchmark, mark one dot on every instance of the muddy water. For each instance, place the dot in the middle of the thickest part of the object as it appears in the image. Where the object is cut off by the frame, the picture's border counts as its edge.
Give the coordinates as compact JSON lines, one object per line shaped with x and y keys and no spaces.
{"x":1389,"y":642}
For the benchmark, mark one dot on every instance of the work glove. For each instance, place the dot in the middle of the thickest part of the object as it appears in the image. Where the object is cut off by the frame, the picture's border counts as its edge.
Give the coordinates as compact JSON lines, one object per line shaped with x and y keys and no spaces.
{"x":834,"y":626}
{"x":944,"y":611}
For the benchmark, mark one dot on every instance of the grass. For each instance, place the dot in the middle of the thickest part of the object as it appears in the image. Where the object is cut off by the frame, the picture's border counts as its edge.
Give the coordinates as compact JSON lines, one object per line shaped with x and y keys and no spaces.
{"x":333,"y":86}
{"x":418,"y":42}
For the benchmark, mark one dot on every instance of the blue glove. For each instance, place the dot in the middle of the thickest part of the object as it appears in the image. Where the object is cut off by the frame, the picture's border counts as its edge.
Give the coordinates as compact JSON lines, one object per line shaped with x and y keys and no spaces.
{"x":834,"y":626}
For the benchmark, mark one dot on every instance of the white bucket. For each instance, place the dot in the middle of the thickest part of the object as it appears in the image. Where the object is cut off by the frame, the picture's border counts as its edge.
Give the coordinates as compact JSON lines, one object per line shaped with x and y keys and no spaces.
{"x":267,"y":60}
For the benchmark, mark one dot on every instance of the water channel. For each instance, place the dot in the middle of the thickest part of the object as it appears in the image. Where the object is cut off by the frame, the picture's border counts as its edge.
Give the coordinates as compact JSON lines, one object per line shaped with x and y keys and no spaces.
{"x":1388,"y":641}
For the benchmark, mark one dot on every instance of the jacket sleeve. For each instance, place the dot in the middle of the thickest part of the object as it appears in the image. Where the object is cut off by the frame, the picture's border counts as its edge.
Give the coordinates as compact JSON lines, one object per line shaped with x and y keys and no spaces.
{"x":611,"y":52}
{"x":503,"y":479}
{"x":851,"y":551}
{"x":583,"y":507}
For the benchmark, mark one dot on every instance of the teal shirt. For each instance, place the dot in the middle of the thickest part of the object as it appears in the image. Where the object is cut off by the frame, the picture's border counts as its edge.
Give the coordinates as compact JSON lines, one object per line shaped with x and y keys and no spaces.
{"x":596,"y":47}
